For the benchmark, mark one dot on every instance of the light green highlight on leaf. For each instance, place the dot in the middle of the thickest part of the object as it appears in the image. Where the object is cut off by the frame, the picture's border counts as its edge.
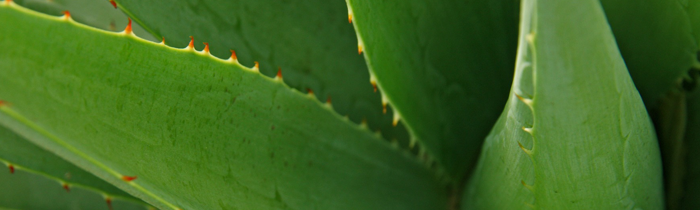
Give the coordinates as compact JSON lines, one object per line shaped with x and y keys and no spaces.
{"x":311,"y":41}
{"x":574,"y":134}
{"x":199,"y":132}
{"x":26,"y":191}
{"x":24,"y":155}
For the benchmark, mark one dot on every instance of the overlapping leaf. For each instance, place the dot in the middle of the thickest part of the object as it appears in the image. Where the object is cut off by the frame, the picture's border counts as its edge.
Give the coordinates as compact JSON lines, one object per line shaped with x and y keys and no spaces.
{"x":188,"y":130}
{"x":444,"y":66}
{"x":574,"y":134}
{"x":24,"y":190}
{"x":311,"y":41}
{"x":19,"y":153}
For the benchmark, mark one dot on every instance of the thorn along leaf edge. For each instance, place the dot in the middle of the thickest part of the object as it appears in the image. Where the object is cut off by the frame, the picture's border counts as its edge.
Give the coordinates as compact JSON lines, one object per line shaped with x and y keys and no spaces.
{"x":128,"y":31}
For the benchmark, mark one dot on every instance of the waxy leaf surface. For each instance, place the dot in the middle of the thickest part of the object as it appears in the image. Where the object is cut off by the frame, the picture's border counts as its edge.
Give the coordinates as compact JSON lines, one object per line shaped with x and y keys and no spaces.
{"x":311,"y":41}
{"x":445,"y":67}
{"x":574,"y":134}
{"x":195,"y":132}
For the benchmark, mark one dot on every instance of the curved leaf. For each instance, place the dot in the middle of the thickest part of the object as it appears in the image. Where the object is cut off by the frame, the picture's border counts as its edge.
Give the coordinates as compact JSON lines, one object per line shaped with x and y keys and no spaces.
{"x":24,"y":190}
{"x":310,"y":41}
{"x":444,"y":66}
{"x":99,"y":14}
{"x":19,"y":153}
{"x":181,"y":129}
{"x":574,"y":134}
{"x":658,"y":39}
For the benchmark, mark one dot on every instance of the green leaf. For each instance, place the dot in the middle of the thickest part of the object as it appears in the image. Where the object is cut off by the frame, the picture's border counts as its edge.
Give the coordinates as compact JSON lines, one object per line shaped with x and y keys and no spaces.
{"x":311,"y":42}
{"x":19,"y":153}
{"x":574,"y":134}
{"x":445,"y":67}
{"x":24,"y":190}
{"x":195,"y":131}
{"x":658,"y":39}
{"x":95,"y":13}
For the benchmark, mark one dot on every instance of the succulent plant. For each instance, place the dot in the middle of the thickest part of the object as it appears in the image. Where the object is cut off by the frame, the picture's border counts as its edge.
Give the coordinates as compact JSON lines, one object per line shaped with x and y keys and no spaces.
{"x":449,"y":104}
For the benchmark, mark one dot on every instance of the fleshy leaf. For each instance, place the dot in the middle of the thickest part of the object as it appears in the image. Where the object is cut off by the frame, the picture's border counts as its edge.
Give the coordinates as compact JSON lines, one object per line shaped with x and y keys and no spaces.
{"x":20,"y":154}
{"x":574,"y":134}
{"x":95,"y":13}
{"x":445,"y":67}
{"x":181,"y":129}
{"x":23,"y":191}
{"x":658,"y":40}
{"x":311,"y":41}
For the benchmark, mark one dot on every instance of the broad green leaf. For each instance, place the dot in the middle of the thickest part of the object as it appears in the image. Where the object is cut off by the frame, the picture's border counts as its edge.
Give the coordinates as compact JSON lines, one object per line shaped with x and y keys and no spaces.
{"x":26,"y":191}
{"x":445,"y":68}
{"x":691,"y":178}
{"x":195,"y":131}
{"x":311,"y":42}
{"x":95,"y":13}
{"x":574,"y":134}
{"x":19,"y":153}
{"x":658,"y":39}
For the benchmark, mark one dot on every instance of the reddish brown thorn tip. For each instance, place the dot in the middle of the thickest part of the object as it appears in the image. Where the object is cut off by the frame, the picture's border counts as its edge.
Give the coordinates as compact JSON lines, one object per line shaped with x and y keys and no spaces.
{"x":163,"y":42}
{"x":128,"y":30}
{"x":113,"y":3}
{"x":66,"y":14}
{"x":257,"y":65}
{"x":374,"y":85}
{"x":328,"y":101}
{"x":3,"y":103}
{"x":349,"y":18}
{"x":383,"y":108}
{"x":12,"y":168}
{"x":7,"y":2}
{"x":128,"y":178}
{"x":206,"y":47}
{"x":109,"y":203}
{"x":279,"y":72}
{"x":233,"y":55}
{"x":191,"y":45}
{"x":66,"y":187}
{"x":308,"y":90}
{"x":359,"y":49}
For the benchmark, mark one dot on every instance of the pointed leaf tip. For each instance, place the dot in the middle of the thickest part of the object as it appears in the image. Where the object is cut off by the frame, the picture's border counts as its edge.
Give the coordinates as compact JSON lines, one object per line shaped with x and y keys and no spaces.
{"x":114,"y":4}
{"x":128,"y":178}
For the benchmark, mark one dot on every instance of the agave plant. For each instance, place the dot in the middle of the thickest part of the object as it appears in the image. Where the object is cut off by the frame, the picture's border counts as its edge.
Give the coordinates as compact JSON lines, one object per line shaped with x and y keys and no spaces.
{"x":449,"y":104}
